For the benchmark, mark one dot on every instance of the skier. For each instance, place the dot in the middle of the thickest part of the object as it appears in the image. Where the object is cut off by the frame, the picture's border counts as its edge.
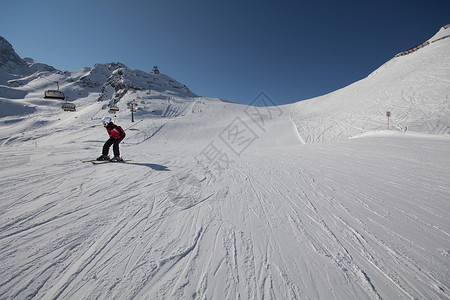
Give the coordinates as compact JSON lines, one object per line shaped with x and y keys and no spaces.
{"x":116,"y":135}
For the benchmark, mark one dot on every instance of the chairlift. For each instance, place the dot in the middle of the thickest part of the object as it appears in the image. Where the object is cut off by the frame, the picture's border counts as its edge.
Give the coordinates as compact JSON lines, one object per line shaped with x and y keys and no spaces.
{"x":68,"y":106}
{"x":132,"y":104}
{"x":54,"y":94}
{"x":113,"y":109}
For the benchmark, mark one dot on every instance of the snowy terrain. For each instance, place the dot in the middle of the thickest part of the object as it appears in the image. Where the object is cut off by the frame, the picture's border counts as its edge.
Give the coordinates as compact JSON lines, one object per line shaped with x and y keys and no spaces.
{"x":313,"y":200}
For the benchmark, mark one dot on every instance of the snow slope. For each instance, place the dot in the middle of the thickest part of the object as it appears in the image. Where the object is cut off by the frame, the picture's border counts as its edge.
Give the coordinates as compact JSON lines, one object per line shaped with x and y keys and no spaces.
{"x":221,"y":200}
{"x":414,"y":88}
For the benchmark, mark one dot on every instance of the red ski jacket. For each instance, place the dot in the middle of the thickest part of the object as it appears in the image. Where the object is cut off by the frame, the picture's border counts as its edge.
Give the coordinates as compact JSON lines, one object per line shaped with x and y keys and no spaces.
{"x":114,"y":131}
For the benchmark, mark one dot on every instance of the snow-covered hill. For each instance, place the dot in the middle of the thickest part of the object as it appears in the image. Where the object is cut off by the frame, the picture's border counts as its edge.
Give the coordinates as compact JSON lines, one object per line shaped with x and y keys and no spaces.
{"x":414,"y":88}
{"x":225,"y":201}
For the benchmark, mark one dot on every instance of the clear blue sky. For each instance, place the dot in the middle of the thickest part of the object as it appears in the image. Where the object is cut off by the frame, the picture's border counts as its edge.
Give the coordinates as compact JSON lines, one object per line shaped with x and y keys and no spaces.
{"x":292,"y":50}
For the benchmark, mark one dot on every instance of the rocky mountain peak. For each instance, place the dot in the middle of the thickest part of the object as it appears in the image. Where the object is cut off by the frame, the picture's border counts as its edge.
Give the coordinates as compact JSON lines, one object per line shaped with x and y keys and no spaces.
{"x":9,"y":60}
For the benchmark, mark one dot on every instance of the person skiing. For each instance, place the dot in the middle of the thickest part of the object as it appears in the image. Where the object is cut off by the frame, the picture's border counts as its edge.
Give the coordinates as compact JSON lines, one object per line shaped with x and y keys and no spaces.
{"x":116,"y":135}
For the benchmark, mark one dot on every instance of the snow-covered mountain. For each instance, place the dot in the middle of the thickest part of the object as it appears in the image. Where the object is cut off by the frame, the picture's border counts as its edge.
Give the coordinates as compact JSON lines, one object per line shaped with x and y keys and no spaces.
{"x":25,"y":81}
{"x":220,"y":200}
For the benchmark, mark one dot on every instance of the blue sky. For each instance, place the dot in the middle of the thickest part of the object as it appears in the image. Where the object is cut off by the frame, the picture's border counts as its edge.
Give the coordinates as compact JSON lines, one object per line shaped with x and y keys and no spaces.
{"x":292,"y":50}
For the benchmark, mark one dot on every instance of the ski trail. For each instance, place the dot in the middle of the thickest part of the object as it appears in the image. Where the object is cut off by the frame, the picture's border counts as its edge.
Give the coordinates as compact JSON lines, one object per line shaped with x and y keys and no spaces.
{"x":285,"y":223}
{"x":78,"y":266}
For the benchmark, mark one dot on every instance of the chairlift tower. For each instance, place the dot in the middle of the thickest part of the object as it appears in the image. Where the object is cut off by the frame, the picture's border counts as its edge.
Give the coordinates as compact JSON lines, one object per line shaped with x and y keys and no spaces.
{"x":132,"y":107}
{"x":155,"y":70}
{"x":149,"y":87}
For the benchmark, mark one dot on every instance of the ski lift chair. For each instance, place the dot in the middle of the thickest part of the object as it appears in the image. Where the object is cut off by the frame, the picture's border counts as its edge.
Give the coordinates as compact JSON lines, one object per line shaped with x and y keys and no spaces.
{"x":68,"y":107}
{"x":54,"y":94}
{"x":113,"y":109}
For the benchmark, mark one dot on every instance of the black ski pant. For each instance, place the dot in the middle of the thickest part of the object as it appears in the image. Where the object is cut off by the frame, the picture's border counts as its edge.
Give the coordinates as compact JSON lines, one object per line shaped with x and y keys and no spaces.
{"x":115,"y":143}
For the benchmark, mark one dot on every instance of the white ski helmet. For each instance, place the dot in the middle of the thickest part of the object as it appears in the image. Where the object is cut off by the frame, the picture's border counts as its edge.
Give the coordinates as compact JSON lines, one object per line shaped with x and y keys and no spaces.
{"x":106,"y":120}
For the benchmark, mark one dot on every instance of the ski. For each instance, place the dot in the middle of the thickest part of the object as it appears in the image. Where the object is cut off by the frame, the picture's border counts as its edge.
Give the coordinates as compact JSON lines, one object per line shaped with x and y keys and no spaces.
{"x":99,"y":162}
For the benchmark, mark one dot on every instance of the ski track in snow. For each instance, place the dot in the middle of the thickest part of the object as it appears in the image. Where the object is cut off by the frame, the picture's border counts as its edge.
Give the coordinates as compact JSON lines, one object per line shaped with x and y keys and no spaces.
{"x":296,"y":226}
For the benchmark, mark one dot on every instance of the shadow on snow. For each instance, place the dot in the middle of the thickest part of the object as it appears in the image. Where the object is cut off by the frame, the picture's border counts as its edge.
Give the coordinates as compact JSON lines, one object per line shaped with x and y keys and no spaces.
{"x":155,"y":167}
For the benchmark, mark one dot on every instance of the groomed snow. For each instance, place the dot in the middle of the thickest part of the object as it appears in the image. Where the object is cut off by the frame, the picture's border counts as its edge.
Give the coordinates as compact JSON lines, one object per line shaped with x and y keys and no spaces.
{"x":226,"y":201}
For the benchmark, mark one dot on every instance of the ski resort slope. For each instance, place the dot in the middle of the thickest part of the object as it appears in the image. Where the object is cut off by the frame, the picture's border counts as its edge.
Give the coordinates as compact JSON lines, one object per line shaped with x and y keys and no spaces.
{"x":414,"y":88}
{"x":365,"y":218}
{"x":224,"y":201}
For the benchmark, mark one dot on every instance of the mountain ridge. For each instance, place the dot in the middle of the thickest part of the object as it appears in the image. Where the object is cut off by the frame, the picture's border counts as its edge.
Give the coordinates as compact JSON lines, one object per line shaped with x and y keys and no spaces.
{"x":112,"y":80}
